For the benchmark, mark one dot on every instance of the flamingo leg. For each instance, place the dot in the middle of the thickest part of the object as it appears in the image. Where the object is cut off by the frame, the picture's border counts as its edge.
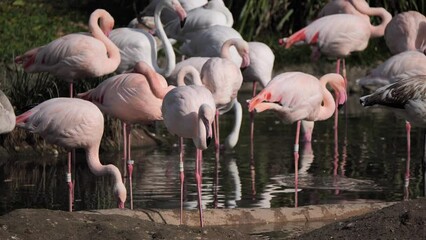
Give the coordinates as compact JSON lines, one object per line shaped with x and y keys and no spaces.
{"x":182,"y":178}
{"x":71,"y":161}
{"x":198,"y":177}
{"x":296,"y":164}
{"x":407,"y":167}
{"x":130,"y":163}
{"x":252,"y":124}
{"x":124,"y":129}
{"x":216,"y":132}
{"x":70,"y":183}
{"x":424,"y":165}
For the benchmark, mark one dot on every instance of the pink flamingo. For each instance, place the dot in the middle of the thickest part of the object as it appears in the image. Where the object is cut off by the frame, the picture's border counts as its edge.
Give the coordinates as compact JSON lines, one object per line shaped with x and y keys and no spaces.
{"x":400,"y":66}
{"x":406,"y":31}
{"x":76,"y":55}
{"x":406,"y":98}
{"x":138,"y":45}
{"x":296,"y":96}
{"x":73,"y":123}
{"x":132,"y":98}
{"x":223,"y":78}
{"x":7,"y":114}
{"x":188,"y":112}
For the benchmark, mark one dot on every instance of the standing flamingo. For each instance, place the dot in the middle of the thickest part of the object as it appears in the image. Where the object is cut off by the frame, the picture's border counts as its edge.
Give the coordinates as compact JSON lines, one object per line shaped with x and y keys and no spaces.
{"x":138,"y":45}
{"x":73,"y":123}
{"x":76,"y":55}
{"x":7,"y":114}
{"x":406,"y":31}
{"x":188,"y":112}
{"x":132,"y":98}
{"x":407,"y":98}
{"x":223,"y":78}
{"x":296,"y":96}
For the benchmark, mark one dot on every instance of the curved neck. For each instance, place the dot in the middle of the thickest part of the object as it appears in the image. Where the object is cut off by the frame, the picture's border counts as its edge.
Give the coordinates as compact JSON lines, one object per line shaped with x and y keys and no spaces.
{"x":224,"y":51}
{"x":204,"y":130}
{"x":157,"y":83}
{"x":112,"y":50}
{"x":385,"y":17}
{"x":95,"y":166}
{"x":189,"y":70}
{"x":170,"y":54}
{"x":329,"y":105}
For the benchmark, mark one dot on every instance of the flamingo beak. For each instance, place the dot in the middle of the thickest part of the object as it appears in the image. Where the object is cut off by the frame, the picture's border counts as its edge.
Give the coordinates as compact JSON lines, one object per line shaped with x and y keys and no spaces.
{"x":121,"y":204}
{"x":182,"y":23}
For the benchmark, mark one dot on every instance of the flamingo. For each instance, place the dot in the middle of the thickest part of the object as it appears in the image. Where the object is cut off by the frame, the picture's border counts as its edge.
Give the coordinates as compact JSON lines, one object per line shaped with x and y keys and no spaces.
{"x":400,"y":66}
{"x":213,"y":13}
{"x":73,"y":123}
{"x":406,"y":31}
{"x":223,"y":78}
{"x":132,"y":98}
{"x":343,"y":6}
{"x":188,"y":112}
{"x":407,"y":99}
{"x":138,"y":45}
{"x":76,"y":55}
{"x":7,"y":114}
{"x":225,"y":84}
{"x":296,"y":96}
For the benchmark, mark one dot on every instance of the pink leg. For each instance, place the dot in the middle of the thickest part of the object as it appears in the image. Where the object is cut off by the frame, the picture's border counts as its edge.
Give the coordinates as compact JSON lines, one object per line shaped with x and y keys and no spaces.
{"x":182,"y":178}
{"x":216,"y":132}
{"x":124,"y":129}
{"x":296,"y":164}
{"x":129,"y":164}
{"x":252,"y":124}
{"x":198,"y":177}
{"x":70,"y":183}
{"x":407,"y":167}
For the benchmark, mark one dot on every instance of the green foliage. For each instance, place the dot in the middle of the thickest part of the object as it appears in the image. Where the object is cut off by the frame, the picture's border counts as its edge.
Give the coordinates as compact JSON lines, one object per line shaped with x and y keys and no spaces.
{"x":28,"y":24}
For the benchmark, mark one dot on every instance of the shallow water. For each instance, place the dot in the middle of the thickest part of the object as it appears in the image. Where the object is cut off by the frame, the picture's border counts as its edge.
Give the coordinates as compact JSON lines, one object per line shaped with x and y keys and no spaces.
{"x":369,"y":165}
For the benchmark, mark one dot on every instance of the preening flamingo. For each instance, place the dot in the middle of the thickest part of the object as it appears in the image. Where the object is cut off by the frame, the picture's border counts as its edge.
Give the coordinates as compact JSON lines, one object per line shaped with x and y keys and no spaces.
{"x":132,"y":98}
{"x":138,"y":45}
{"x":7,"y":114}
{"x":400,"y":66}
{"x":76,"y":55}
{"x":406,"y":31}
{"x":296,"y":96}
{"x":73,"y":123}
{"x":188,"y":112}
{"x":201,"y":18}
{"x":407,"y":98}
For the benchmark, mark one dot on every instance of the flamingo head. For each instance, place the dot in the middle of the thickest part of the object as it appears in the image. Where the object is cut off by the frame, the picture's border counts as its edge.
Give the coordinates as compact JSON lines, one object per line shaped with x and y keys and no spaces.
{"x":261,"y":97}
{"x":180,"y":11}
{"x":206,"y":115}
{"x":106,"y":25}
{"x":120,"y":193}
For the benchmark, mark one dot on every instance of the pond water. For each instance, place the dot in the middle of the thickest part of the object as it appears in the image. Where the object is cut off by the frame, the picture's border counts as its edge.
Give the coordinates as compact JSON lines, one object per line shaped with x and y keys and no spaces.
{"x":368,"y":164}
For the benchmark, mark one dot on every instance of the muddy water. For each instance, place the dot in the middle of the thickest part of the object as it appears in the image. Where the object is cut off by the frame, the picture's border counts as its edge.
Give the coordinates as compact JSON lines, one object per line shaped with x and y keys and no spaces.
{"x":367,"y":164}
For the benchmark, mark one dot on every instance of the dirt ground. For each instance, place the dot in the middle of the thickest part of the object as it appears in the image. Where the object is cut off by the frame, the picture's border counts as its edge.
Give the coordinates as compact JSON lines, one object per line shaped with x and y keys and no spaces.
{"x":405,"y":220}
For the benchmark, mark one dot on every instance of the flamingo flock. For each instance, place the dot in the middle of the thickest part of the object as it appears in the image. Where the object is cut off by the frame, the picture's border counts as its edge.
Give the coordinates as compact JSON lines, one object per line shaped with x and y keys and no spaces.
{"x":188,"y":96}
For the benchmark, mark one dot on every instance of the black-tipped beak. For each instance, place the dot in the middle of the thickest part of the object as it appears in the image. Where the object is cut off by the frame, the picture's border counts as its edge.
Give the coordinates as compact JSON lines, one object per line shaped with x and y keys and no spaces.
{"x":208,"y":140}
{"x":339,"y":106}
{"x":182,"y":23}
